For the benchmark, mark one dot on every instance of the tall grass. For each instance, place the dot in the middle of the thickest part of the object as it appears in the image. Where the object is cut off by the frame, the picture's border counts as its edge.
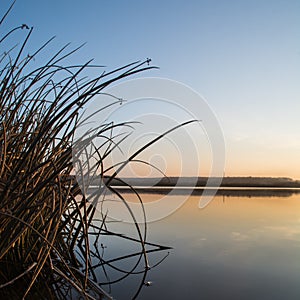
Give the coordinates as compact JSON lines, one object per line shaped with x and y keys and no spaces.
{"x":49,"y":236}
{"x":45,"y":219}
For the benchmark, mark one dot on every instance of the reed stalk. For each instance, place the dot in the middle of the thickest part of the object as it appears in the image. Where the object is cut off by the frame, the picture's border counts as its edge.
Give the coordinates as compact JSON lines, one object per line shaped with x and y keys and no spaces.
{"x":44,"y":216}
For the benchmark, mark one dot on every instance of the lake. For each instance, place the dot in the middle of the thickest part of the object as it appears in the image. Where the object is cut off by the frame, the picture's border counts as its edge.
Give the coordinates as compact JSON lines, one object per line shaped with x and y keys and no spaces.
{"x":241,"y":246}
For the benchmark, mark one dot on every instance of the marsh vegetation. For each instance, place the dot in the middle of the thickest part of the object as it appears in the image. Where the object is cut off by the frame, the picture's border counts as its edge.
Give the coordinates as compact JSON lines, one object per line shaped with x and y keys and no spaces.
{"x":50,"y":241}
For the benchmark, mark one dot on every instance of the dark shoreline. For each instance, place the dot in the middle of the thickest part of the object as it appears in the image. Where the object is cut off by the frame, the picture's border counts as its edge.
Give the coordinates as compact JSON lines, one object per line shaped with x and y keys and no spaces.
{"x":202,"y":182}
{"x":226,"y":186}
{"x":232,"y":191}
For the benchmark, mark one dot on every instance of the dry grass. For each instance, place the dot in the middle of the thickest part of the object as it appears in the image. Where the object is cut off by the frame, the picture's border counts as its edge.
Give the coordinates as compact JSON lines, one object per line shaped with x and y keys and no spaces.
{"x":49,"y":238}
{"x":44,"y":217}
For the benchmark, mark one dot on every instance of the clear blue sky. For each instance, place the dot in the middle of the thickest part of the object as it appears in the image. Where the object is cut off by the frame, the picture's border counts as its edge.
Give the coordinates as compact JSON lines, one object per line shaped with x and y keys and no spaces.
{"x":242,"y":56}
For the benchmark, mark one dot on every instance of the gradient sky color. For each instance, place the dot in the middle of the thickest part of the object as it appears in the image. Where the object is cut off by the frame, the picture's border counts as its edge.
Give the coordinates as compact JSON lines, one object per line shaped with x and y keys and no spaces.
{"x":242,"y":56}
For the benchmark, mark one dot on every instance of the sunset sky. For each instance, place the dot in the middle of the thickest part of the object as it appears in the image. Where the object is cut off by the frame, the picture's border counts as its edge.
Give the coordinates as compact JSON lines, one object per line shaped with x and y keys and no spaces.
{"x":242,"y":56}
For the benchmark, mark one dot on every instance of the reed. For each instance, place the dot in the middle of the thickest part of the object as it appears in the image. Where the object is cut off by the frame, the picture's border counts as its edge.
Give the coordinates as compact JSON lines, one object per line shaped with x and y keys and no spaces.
{"x":49,"y":237}
{"x":45,"y":219}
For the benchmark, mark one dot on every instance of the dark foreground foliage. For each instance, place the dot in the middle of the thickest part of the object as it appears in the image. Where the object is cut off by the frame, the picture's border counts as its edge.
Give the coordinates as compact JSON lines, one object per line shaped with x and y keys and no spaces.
{"x":46,"y":222}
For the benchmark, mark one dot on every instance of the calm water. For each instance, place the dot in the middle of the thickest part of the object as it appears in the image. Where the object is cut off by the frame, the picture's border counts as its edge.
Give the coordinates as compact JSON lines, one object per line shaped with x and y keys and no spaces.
{"x":236,"y":248}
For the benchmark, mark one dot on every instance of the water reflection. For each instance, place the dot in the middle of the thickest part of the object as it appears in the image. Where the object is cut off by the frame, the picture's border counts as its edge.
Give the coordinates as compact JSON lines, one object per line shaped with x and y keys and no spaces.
{"x":236,"y":248}
{"x":229,"y":191}
{"x":119,"y":259}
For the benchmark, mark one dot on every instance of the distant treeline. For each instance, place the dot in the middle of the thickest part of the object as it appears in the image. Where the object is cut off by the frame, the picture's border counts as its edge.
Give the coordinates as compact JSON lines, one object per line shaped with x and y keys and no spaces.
{"x":283,"y":182}
{"x":228,"y":192}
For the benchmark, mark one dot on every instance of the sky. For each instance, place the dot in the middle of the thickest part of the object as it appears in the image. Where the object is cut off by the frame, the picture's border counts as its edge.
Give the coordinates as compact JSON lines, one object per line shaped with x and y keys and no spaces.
{"x":242,"y":56}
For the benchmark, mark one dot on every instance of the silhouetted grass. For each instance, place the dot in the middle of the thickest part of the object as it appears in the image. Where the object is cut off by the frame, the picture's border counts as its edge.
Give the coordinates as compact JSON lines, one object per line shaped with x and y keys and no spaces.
{"x":46,"y":221}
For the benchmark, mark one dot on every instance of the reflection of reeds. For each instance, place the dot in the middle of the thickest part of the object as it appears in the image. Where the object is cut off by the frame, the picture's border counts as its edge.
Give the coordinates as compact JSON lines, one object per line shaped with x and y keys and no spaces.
{"x":45,"y":220}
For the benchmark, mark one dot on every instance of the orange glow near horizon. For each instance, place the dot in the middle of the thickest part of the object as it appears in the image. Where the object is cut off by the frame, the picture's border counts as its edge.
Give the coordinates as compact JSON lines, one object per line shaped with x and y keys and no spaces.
{"x":174,"y":171}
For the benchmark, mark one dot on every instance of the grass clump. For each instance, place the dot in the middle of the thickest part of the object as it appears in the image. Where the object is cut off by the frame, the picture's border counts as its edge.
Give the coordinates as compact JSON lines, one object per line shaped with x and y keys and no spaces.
{"x":44,"y":217}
